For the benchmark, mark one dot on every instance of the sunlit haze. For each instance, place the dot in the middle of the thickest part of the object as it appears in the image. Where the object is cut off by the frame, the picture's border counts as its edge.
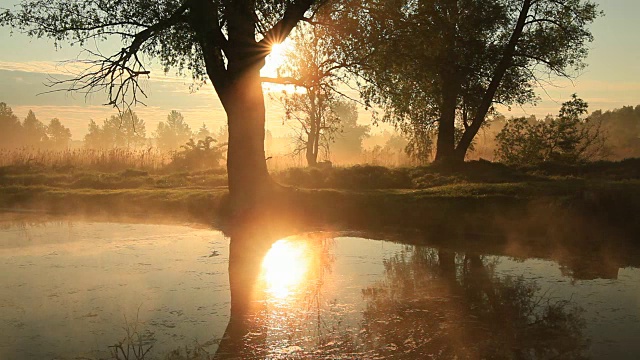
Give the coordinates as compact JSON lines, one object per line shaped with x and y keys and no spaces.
{"x":299,"y":220}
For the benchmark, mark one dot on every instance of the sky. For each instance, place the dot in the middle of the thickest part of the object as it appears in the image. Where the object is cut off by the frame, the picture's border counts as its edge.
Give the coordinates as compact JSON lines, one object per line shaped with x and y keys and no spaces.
{"x":611,"y":80}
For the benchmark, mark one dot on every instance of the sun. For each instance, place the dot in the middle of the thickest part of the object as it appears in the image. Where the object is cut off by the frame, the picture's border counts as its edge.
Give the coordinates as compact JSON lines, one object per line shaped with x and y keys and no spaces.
{"x":275,"y":59}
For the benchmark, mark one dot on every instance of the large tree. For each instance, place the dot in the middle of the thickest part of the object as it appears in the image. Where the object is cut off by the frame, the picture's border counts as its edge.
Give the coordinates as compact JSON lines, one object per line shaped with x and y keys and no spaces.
{"x":224,"y":41}
{"x":441,"y":66}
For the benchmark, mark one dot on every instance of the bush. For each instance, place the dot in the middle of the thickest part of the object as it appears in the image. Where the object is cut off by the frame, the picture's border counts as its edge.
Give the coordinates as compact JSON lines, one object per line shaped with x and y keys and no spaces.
{"x":201,"y":155}
{"x":564,"y":139}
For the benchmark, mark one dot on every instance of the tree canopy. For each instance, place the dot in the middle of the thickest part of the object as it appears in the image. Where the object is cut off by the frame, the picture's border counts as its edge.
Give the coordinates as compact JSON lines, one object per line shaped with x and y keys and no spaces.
{"x":444,"y":64}
{"x":209,"y":39}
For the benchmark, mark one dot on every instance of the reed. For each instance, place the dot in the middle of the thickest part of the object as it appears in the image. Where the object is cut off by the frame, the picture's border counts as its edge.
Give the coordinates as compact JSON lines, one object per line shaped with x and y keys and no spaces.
{"x":114,"y":159}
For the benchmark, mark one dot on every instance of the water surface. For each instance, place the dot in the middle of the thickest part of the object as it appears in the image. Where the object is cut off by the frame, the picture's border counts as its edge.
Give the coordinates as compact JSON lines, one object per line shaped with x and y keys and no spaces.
{"x":72,"y":289}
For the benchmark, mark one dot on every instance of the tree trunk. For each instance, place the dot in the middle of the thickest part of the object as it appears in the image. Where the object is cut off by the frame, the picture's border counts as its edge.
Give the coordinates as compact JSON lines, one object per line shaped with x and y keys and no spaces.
{"x":312,"y":137}
{"x":312,"y":156}
{"x":246,"y":164}
{"x":314,"y":130}
{"x":501,"y":68}
{"x":445,"y":146}
{"x":446,"y":141}
{"x":233,"y":59}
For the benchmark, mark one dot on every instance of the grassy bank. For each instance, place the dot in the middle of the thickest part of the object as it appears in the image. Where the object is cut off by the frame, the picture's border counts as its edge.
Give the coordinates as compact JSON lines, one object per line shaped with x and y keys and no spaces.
{"x":477,"y":198}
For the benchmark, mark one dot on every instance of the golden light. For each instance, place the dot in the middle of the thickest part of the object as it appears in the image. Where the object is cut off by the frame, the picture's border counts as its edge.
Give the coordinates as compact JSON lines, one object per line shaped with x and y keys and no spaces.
{"x":284,"y":267}
{"x":275,"y":59}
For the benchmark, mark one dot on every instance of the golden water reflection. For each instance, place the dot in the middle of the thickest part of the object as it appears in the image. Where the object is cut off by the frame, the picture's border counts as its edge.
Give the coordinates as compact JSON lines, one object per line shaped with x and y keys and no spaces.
{"x":284,"y":267}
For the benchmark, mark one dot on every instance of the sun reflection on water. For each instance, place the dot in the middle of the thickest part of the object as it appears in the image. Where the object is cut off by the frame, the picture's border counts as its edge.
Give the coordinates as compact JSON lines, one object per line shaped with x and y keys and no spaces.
{"x":284,"y":267}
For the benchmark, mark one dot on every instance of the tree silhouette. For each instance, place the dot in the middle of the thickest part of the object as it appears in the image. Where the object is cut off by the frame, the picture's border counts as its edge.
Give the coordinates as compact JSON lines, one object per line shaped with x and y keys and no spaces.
{"x":441,"y":66}
{"x":10,"y":127}
{"x":59,"y":135}
{"x":34,"y":132}
{"x":348,"y":141}
{"x":223,"y":41}
{"x":122,"y":130}
{"x":566,"y":138}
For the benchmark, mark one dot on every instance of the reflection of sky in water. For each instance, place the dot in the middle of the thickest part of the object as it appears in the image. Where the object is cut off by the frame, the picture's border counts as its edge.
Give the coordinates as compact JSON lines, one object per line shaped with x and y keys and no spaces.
{"x":612,"y":307}
{"x":67,"y":288}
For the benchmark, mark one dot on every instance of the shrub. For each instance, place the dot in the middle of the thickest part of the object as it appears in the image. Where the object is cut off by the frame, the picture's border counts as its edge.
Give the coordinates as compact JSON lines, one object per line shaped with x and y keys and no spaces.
{"x":564,"y":139}
{"x":201,"y":155}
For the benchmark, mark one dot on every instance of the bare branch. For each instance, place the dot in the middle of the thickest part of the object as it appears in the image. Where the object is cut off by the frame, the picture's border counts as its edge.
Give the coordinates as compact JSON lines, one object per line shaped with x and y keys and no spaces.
{"x":118,"y":74}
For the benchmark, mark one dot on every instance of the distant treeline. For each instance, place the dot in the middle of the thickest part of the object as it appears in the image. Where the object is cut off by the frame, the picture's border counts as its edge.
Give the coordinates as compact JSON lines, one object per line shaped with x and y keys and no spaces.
{"x":614,"y":134}
{"x":121,"y":130}
{"x":31,"y":132}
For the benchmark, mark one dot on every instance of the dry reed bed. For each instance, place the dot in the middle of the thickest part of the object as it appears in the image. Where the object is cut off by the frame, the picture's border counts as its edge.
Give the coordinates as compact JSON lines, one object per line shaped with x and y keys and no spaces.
{"x":98,"y":159}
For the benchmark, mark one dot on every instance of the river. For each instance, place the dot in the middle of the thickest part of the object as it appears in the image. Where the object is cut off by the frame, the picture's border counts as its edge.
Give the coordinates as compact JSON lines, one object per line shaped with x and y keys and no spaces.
{"x":86,"y":288}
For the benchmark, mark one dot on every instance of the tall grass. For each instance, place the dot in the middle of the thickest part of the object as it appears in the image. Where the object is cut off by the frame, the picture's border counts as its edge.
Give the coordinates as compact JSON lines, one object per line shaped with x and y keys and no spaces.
{"x":114,"y":159}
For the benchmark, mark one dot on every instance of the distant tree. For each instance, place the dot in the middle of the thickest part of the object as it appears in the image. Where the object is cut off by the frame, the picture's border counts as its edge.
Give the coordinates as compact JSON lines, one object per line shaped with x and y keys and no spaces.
{"x":59,"y":135}
{"x":396,"y":146}
{"x":203,"y":132}
{"x":348,"y":140}
{"x":95,"y":137}
{"x":203,"y":154}
{"x":567,"y":138}
{"x":622,"y":127}
{"x":440,"y":66}
{"x":174,"y":133}
{"x":222,"y":137}
{"x":315,"y":123}
{"x":124,"y":130}
{"x":34,"y":132}
{"x":312,"y":65}
{"x":10,"y":128}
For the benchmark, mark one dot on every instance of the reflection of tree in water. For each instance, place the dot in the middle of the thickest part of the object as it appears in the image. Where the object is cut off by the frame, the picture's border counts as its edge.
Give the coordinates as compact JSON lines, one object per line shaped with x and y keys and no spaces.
{"x":439,"y":304}
{"x":262,"y":325}
{"x":430,"y":303}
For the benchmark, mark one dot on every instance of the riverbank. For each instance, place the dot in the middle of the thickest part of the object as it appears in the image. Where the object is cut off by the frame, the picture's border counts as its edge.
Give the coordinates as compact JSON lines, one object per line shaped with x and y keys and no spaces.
{"x":481,"y":198}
